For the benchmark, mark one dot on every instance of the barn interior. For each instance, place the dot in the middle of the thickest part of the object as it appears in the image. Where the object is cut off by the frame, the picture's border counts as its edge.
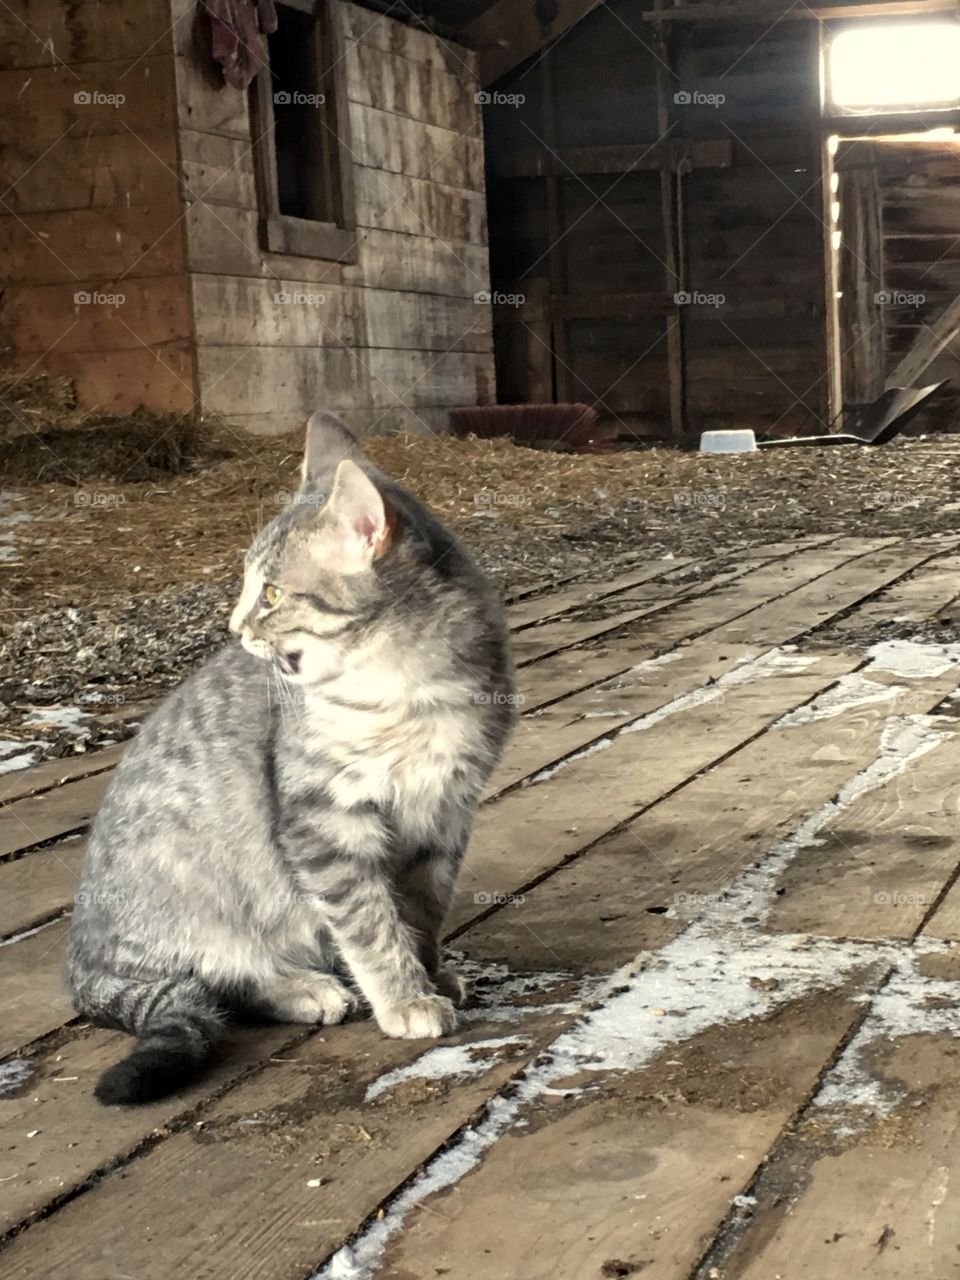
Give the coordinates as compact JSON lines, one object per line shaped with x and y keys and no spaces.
{"x":543,"y":258}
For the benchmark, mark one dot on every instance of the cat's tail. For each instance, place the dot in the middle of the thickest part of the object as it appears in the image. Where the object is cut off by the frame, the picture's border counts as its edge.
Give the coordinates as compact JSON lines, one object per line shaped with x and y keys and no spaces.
{"x":177,"y":1023}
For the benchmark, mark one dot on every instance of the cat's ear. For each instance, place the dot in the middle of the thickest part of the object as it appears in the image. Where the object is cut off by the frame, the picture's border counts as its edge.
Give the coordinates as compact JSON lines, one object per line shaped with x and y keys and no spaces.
{"x":328,"y":443}
{"x":360,"y":515}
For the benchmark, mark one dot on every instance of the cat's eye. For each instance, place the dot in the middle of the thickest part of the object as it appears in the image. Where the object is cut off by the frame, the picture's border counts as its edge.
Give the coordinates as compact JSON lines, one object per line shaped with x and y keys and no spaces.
{"x":270,"y":596}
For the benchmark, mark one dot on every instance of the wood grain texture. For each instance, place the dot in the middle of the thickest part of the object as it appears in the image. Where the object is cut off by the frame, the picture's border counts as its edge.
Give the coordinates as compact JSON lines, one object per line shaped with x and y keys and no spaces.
{"x":677,"y":808}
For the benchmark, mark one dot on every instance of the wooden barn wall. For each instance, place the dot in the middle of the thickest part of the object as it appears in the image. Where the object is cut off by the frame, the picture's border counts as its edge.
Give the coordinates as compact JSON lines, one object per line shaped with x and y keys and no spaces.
{"x":755,"y":232}
{"x":90,"y":203}
{"x":592,"y":322}
{"x":920,"y":201}
{"x":746,"y":212}
{"x":392,"y":341}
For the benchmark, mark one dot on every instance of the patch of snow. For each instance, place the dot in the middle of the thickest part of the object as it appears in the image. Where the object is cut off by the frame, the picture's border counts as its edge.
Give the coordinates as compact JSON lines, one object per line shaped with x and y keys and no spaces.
{"x":13,"y":1075}
{"x":457,"y":1062}
{"x":28,"y":933}
{"x":908,"y":1004}
{"x":590,"y":750}
{"x":855,"y":690}
{"x":774,"y":662}
{"x":22,"y":761}
{"x":66,"y":717}
{"x":914,"y":658}
{"x":903,"y":740}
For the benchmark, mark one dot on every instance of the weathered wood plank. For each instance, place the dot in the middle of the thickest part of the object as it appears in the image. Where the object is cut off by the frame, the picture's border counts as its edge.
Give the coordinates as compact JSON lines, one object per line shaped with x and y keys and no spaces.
{"x":532,"y":612}
{"x":97,"y":171}
{"x":34,"y":997}
{"x":39,"y":32}
{"x":42,"y":102}
{"x":86,"y":247}
{"x":321,"y":1186}
{"x":37,"y":818}
{"x":53,"y":773}
{"x":919,"y":597}
{"x":224,"y":241}
{"x":241,"y":380}
{"x":400,"y":39}
{"x":636,"y":1178}
{"x":418,"y":206}
{"x":877,"y":1205}
{"x":38,"y":886}
{"x":382,"y":140}
{"x":66,"y":1150}
{"x":237,"y":311}
{"x":878,"y":868}
{"x":123,"y":380}
{"x":412,"y":90}
{"x":154,"y":313}
{"x":205,"y":106}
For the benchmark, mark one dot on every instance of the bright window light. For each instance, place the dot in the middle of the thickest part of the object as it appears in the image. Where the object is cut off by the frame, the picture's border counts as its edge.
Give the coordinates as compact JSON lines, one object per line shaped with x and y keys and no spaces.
{"x":891,"y":68}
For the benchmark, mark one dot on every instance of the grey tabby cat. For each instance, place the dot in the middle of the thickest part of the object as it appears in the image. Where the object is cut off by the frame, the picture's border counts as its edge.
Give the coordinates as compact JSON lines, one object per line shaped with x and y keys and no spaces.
{"x":300,"y":805}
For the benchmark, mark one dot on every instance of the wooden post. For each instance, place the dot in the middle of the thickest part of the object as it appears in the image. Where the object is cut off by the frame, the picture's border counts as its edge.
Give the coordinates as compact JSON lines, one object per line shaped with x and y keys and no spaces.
{"x":861,"y":273}
{"x":668,"y":209}
{"x":563,"y":381}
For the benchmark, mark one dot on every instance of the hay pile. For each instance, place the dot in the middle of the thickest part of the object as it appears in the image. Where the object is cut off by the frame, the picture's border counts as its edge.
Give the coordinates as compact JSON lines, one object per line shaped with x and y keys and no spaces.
{"x":33,"y":401}
{"x":45,"y":439}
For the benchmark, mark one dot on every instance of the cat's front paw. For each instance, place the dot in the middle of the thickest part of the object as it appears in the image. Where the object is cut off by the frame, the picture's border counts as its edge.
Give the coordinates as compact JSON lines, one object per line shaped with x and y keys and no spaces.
{"x":449,"y":983}
{"x":424,"y":1018}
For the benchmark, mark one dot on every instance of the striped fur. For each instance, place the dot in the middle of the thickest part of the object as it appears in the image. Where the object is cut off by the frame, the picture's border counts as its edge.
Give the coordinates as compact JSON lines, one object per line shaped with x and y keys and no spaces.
{"x":290,"y":823}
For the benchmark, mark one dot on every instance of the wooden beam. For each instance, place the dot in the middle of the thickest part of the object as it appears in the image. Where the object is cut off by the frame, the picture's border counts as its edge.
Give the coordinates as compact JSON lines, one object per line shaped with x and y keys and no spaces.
{"x":705,"y":153}
{"x":861,"y":273}
{"x":556,"y":252}
{"x":672,"y":178}
{"x":511,"y":31}
{"x":765,"y":12}
{"x":893,"y":124}
{"x":930,"y":341}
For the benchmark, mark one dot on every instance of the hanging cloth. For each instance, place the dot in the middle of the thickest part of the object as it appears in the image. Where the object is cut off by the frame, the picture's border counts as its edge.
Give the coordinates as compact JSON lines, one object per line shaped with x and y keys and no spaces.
{"x":239,"y":30}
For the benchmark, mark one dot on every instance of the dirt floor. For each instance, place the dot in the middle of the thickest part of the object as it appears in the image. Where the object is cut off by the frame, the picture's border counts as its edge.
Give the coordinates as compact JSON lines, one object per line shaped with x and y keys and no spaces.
{"x":121,"y":543}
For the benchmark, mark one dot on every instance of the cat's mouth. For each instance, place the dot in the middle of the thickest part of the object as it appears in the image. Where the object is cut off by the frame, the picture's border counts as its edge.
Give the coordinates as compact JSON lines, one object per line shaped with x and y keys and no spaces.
{"x":289,"y":663}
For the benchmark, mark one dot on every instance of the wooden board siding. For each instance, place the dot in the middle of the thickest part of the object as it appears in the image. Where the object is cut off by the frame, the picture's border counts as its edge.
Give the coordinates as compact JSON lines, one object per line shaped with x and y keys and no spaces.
{"x":91,"y":205}
{"x":155,"y":200}
{"x":393,"y":339}
{"x":742,"y":221}
{"x":920,"y":211}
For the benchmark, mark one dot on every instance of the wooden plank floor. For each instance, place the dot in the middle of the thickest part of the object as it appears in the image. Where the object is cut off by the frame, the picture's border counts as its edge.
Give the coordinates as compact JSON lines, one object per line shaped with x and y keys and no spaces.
{"x":712,"y":918}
